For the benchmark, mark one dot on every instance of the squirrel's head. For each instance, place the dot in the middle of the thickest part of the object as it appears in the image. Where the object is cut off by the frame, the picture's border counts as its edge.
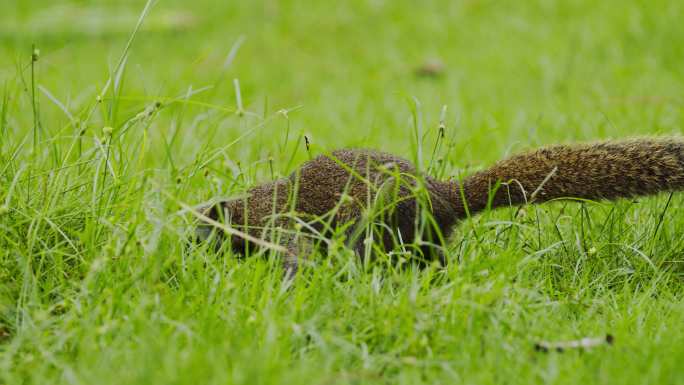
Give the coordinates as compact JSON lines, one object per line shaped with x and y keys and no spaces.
{"x":247,"y":214}
{"x":223,"y":214}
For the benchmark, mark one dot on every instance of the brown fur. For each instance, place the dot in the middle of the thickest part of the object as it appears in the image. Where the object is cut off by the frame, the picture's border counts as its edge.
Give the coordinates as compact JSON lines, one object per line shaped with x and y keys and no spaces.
{"x":338,"y":189}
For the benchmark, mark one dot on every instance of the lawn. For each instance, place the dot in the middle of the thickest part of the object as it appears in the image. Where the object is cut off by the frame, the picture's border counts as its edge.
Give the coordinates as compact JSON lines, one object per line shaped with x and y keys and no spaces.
{"x":123,"y":112}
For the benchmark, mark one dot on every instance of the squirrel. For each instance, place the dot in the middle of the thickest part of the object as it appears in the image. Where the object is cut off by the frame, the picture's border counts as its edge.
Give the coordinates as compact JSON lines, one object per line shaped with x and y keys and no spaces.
{"x":343,"y":189}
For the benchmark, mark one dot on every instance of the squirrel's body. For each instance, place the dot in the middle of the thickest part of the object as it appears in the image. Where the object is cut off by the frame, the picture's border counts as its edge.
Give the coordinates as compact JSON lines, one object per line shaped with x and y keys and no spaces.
{"x":338,"y":189}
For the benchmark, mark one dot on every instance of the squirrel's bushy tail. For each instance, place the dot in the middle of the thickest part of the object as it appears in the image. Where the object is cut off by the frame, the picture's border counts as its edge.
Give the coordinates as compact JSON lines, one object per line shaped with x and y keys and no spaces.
{"x":604,"y":170}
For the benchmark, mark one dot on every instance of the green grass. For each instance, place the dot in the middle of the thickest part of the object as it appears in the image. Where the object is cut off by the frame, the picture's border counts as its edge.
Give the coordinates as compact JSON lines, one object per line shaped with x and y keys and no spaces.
{"x":97,"y":283}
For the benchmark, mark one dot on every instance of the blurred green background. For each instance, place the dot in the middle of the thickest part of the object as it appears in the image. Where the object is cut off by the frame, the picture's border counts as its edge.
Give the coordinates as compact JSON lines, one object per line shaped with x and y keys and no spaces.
{"x":513,"y":73}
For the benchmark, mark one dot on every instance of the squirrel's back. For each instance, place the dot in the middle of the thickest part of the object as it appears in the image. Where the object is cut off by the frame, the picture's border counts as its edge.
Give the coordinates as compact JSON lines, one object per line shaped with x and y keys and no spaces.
{"x":603,"y":170}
